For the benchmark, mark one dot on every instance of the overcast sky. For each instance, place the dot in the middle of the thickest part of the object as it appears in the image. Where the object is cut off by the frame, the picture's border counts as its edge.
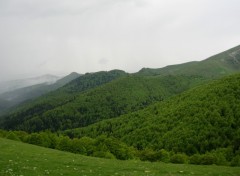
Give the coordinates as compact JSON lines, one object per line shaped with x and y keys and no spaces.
{"x":61,"y":36}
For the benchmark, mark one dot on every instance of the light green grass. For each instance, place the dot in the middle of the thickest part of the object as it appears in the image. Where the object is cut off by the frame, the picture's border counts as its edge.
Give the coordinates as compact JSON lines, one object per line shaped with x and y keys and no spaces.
{"x":19,"y":159}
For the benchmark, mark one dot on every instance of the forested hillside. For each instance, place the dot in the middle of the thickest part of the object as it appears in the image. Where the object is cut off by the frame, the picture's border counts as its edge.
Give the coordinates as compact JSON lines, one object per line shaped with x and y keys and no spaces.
{"x":200,"y":120}
{"x":103,"y":95}
{"x":62,"y":96}
{"x":199,"y":126}
{"x":110,"y":100}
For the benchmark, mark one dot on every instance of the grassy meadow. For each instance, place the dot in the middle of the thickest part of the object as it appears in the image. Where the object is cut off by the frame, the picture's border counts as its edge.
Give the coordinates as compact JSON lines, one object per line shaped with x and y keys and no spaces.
{"x":19,"y":159}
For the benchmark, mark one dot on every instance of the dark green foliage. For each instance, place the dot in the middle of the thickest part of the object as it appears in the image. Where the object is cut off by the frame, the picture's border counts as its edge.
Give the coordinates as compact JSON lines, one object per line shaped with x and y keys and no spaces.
{"x":64,"y":144}
{"x":35,"y":113}
{"x":236,"y":161}
{"x":12,"y":136}
{"x":208,"y":159}
{"x":179,"y":158}
{"x":201,"y":120}
{"x":77,"y":146}
{"x":111,"y":100}
{"x":92,"y":80}
{"x":164,"y":155}
{"x":45,"y":139}
{"x":195,"y":159}
{"x":111,"y":145}
{"x":100,"y":147}
{"x":148,"y":155}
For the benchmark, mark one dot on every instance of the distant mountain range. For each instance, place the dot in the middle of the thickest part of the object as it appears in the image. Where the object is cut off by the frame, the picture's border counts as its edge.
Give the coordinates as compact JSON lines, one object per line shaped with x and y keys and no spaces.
{"x":8,"y":86}
{"x":28,"y":89}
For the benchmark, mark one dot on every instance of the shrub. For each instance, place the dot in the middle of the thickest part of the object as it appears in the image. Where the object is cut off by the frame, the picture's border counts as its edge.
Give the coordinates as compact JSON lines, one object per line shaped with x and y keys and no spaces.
{"x":11,"y":135}
{"x":64,"y":144}
{"x":195,"y":159}
{"x":178,"y":158}
{"x":208,"y":159}
{"x":102,"y":154}
{"x":163,"y":155}
{"x":148,"y":155}
{"x":235,"y":161}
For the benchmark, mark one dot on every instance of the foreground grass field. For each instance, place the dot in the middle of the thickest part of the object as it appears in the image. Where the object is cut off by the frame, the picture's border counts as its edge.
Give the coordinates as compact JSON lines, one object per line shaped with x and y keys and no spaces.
{"x":19,"y":159}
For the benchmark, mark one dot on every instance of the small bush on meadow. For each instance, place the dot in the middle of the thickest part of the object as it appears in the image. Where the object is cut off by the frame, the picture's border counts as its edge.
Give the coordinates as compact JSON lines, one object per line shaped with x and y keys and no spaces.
{"x":208,"y":159}
{"x":11,"y":135}
{"x":195,"y":159}
{"x":163,"y":155}
{"x":235,"y":161}
{"x":179,"y":158}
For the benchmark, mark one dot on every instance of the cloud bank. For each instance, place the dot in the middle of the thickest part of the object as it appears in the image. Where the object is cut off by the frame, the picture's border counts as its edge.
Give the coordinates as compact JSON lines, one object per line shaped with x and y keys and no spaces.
{"x":59,"y":36}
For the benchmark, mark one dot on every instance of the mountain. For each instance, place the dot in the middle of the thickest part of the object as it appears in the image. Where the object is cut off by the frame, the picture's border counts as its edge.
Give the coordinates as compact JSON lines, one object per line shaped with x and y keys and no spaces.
{"x":225,"y":63}
{"x":199,"y":120}
{"x":64,"y":95}
{"x":17,"y":84}
{"x":103,"y":95}
{"x":121,"y":96}
{"x":17,"y":96}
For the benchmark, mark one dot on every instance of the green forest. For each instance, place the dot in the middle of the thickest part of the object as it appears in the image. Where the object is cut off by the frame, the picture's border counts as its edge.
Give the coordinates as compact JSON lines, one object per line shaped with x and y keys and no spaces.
{"x":187,"y":113}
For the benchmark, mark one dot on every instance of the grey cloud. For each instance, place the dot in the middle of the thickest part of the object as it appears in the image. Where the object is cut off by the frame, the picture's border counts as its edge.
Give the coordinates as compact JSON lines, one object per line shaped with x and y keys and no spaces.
{"x":103,"y":61}
{"x":65,"y":36}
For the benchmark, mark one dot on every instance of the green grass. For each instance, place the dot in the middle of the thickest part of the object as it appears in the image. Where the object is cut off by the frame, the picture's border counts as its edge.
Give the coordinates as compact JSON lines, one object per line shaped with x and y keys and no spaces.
{"x":17,"y":158}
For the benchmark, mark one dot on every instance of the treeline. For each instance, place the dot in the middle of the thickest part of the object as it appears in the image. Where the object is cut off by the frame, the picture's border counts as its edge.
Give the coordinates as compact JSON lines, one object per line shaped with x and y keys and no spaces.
{"x":112,"y":148}
{"x":99,"y":147}
{"x":121,"y":96}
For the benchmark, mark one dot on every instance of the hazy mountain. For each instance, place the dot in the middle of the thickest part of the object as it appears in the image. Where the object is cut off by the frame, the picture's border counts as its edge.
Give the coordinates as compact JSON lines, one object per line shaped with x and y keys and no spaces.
{"x":68,"y":92}
{"x":17,"y":84}
{"x":17,"y":96}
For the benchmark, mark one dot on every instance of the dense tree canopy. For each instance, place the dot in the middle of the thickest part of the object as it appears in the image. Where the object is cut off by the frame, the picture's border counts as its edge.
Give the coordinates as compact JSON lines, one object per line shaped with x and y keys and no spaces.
{"x":197,"y":121}
{"x":121,"y":96}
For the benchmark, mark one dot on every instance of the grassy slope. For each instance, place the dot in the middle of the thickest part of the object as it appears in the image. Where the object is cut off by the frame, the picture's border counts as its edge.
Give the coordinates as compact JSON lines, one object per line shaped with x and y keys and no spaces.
{"x":17,"y":158}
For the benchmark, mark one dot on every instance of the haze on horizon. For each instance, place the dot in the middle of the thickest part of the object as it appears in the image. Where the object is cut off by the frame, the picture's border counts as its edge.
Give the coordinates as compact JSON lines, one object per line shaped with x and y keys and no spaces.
{"x":58,"y":36}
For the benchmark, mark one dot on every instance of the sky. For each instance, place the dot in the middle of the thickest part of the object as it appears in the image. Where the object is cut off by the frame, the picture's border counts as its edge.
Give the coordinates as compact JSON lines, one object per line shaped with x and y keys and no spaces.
{"x":61,"y":36}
